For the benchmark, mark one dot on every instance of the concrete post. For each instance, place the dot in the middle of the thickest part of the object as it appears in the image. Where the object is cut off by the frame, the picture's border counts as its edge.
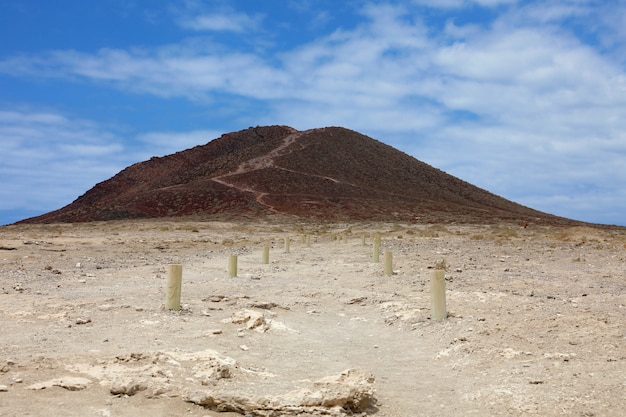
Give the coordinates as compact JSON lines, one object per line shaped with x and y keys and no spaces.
{"x":438,"y":295}
{"x":266,"y":254}
{"x":388,"y":264}
{"x":174,"y":284}
{"x":232,"y":266}
{"x":376,"y":250}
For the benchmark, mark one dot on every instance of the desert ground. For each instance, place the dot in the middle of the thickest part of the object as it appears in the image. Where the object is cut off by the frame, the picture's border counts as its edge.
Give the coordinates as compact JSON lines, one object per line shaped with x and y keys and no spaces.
{"x":536,"y":320}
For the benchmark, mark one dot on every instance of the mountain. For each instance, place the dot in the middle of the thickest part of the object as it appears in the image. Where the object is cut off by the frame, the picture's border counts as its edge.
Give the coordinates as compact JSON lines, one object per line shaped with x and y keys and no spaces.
{"x":329,"y":173}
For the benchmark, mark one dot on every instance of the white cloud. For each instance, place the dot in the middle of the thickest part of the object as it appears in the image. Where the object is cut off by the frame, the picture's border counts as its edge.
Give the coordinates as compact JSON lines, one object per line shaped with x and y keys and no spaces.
{"x":457,"y":4}
{"x":49,"y":158}
{"x":214,"y":17}
{"x":552,"y":12}
{"x":222,"y":22}
{"x":165,"y":73}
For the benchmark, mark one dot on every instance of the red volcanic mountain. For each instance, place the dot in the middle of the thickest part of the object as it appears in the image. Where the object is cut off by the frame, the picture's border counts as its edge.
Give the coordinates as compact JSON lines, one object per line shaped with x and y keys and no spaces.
{"x":327,"y":174}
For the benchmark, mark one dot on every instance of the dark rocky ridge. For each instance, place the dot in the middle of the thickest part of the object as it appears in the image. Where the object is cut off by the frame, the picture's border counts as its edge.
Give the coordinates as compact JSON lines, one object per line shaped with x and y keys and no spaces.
{"x":324,"y":174}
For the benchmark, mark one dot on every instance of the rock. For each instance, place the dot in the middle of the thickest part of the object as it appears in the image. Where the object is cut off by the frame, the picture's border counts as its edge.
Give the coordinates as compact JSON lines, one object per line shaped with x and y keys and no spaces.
{"x":356,"y":300}
{"x":510,"y":353}
{"x":351,"y":390}
{"x":210,"y":366}
{"x":214,"y":370}
{"x":127,"y":386}
{"x":4,"y":388}
{"x":71,"y":383}
{"x":6,"y":368}
{"x":348,"y":393}
{"x":157,"y":392}
{"x":566,"y":357}
{"x":226,"y":401}
{"x":215,"y":298}
{"x":252,"y":319}
{"x":265,"y":305}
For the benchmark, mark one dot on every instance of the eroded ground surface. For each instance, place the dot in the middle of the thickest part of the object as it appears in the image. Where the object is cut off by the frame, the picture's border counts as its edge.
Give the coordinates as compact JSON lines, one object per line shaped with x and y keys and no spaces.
{"x":536,"y":326}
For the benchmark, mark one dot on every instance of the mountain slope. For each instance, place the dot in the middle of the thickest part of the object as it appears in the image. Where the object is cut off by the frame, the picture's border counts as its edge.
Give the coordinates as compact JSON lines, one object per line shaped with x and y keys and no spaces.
{"x":328,"y":174}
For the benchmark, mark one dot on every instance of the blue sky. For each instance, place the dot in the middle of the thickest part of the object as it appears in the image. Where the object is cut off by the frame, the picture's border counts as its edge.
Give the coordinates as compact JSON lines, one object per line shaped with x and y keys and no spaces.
{"x":526,"y":99}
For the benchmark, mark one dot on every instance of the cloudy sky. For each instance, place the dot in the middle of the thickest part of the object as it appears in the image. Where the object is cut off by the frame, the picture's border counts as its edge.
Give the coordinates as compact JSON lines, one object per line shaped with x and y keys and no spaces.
{"x":526,"y":99}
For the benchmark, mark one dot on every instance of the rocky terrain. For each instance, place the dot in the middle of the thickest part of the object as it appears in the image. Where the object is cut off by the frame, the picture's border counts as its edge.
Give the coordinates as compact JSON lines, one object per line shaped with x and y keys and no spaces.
{"x":535,"y":326}
{"x":327,"y":174}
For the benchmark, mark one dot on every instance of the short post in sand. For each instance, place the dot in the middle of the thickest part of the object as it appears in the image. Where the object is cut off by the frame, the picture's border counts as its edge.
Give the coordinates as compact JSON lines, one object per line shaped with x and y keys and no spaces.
{"x":438,"y":295}
{"x":266,"y":255}
{"x":308,"y":241}
{"x":286,"y":244}
{"x":388,"y":264}
{"x":174,"y":284}
{"x":232,"y":266}
{"x":376,"y":250}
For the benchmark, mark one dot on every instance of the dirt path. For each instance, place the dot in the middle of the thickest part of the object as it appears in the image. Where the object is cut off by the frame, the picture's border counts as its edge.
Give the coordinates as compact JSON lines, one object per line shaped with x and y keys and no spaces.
{"x":261,"y":162}
{"x":267,"y":161}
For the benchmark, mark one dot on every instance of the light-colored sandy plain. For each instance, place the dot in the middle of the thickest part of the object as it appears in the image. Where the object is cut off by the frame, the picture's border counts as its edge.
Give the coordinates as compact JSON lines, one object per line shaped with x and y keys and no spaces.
{"x":537,"y":321}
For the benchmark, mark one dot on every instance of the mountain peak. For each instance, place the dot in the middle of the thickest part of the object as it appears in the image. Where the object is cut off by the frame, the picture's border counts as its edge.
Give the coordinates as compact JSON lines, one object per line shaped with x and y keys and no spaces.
{"x":330,"y":173}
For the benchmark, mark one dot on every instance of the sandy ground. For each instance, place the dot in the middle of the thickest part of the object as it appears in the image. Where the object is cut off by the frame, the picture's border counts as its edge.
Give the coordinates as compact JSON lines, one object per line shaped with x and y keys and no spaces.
{"x":536,"y":326}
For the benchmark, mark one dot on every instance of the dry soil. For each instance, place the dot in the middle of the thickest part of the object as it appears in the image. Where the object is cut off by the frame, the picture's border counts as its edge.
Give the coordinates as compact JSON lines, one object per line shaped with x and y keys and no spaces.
{"x":536,"y":321}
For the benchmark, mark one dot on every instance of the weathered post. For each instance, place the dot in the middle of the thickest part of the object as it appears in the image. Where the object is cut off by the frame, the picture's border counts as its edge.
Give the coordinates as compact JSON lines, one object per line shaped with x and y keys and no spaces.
{"x":287,"y":244}
{"x":308,"y":241}
{"x":388,"y":264}
{"x":232,"y":266}
{"x":376,"y":250}
{"x":438,"y":295}
{"x":266,"y":254}
{"x":174,"y":284}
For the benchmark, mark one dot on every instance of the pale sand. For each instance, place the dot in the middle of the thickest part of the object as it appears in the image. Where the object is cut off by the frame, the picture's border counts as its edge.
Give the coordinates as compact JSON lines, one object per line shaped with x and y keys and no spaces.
{"x":537,"y":320}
